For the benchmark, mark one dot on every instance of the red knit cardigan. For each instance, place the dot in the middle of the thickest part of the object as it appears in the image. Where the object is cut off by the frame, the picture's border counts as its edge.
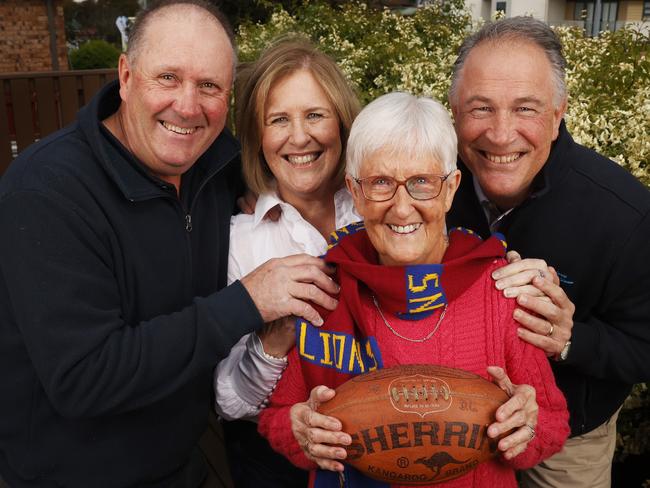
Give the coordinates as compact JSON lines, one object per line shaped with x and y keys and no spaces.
{"x":478,"y":330}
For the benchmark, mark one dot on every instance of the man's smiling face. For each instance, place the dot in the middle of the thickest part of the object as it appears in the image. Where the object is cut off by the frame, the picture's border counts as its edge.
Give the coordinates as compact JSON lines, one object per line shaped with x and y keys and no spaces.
{"x":507,"y":115}
{"x":176,"y":90}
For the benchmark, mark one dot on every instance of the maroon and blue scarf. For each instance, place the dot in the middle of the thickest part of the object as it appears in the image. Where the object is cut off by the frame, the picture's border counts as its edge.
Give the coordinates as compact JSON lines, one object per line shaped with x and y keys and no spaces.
{"x":342,"y":347}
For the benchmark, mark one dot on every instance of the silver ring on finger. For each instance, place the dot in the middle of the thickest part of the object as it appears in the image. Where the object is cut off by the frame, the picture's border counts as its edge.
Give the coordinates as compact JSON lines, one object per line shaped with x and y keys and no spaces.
{"x":532,"y":432}
{"x":550,"y":331}
{"x":541,"y":273}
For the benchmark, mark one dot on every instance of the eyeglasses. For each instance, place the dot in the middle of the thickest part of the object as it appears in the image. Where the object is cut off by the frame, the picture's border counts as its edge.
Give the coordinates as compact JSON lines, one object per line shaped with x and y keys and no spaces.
{"x":383,"y":188}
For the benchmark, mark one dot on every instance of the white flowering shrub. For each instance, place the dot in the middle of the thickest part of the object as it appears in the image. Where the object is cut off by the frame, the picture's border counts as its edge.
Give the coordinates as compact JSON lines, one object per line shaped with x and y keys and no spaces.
{"x":608,"y":77}
{"x":377,"y":50}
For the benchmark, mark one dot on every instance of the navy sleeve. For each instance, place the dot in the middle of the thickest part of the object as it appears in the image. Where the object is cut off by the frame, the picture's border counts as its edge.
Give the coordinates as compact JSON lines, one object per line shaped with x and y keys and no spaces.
{"x":60,"y":278}
{"x":614,"y":342}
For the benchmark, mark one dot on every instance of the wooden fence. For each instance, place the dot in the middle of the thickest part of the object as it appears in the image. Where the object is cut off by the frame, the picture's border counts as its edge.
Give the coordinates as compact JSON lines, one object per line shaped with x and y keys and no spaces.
{"x":33,"y":105}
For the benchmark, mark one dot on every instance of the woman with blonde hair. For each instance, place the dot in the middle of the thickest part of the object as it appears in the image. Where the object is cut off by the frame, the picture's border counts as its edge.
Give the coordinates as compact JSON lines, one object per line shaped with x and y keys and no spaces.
{"x":294,"y":112}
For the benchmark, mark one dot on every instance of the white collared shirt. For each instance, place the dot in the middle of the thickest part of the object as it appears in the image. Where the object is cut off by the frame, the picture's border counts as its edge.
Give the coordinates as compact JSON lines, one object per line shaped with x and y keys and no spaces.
{"x":245,"y":379}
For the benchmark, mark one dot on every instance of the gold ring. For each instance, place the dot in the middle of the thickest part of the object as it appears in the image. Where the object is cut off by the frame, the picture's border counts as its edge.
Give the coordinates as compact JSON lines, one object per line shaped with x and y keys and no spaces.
{"x":550,"y":331}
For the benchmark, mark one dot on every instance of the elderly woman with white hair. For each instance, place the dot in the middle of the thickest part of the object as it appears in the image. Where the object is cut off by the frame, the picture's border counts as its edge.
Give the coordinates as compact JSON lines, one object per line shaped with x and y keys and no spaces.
{"x":412,"y":293}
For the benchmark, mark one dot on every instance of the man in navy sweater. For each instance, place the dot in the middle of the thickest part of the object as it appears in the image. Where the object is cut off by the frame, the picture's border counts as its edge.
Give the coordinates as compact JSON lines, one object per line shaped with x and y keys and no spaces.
{"x":113,"y":256}
{"x":584,"y":215}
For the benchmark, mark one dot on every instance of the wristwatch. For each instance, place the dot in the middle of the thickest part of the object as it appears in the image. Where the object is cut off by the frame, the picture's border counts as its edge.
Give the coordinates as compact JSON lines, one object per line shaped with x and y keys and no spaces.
{"x":564,"y":352}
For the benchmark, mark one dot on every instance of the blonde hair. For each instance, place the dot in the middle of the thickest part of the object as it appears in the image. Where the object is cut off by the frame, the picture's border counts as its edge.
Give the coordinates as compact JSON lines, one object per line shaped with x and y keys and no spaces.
{"x":285,"y":56}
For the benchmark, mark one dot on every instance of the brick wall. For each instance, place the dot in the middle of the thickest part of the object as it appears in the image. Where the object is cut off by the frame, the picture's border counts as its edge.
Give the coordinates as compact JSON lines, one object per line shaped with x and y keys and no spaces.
{"x":25,"y":36}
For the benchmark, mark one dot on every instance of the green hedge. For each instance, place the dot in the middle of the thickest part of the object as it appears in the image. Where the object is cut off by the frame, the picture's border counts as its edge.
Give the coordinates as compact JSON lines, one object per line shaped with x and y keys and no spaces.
{"x":94,"y":54}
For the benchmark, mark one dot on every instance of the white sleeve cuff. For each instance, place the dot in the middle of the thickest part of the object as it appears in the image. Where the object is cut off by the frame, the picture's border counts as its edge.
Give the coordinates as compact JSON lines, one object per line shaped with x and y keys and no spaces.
{"x":245,"y":379}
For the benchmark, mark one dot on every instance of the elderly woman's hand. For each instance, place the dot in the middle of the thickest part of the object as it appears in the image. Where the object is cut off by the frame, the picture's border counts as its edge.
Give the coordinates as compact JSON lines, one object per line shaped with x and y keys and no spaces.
{"x":519,"y":412}
{"x":318,"y":434}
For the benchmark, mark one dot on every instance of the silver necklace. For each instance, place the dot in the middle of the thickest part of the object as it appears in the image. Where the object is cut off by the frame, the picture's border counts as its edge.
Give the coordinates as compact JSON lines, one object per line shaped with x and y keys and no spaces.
{"x":423,"y":339}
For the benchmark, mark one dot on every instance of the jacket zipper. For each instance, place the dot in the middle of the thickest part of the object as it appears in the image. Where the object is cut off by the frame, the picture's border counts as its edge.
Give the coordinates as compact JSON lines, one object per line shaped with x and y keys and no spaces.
{"x":188,"y":215}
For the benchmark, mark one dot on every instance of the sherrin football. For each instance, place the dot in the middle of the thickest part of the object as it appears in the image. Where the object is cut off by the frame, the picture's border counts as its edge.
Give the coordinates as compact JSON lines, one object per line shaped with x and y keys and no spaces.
{"x":417,"y":424}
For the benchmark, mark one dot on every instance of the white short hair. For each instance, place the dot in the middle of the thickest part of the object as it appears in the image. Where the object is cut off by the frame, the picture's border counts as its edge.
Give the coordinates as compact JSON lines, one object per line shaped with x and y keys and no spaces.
{"x":407,"y":126}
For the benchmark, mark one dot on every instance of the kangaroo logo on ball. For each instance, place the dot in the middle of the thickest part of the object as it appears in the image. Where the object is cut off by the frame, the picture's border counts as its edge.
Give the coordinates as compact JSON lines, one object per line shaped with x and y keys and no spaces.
{"x":439,"y":460}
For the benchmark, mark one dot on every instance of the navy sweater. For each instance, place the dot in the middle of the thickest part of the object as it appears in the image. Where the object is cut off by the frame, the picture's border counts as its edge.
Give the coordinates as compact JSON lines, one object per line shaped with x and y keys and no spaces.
{"x":113,"y":309}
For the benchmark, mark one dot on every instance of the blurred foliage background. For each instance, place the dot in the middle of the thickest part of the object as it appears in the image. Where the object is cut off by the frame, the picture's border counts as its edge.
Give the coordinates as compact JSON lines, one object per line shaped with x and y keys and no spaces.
{"x":95,"y":20}
{"x":94,"y":54}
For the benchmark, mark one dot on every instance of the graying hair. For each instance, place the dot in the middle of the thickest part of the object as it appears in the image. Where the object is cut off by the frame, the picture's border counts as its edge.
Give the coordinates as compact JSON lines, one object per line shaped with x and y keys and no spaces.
{"x":405,"y":125}
{"x":145,"y":16}
{"x":519,"y":29}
